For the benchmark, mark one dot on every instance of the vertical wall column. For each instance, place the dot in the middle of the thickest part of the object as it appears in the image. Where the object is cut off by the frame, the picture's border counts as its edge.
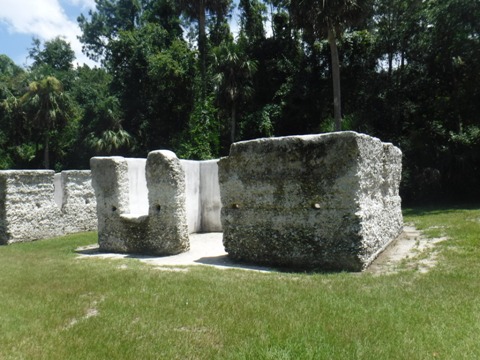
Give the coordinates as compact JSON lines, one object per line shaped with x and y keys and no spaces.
{"x":167,"y":203}
{"x":192,"y":193}
{"x":110,"y":182}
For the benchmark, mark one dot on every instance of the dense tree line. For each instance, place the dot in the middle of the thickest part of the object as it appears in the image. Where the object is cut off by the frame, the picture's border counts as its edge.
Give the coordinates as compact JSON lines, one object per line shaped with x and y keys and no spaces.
{"x":173,"y":75}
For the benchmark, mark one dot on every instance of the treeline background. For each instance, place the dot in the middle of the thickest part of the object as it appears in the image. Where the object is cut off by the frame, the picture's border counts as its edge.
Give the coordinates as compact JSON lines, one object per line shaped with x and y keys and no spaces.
{"x":174,"y":76}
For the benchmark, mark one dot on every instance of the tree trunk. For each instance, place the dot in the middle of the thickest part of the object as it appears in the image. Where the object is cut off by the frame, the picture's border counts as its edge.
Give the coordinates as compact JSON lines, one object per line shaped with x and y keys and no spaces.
{"x":46,"y":158}
{"x":202,"y":41}
{"x":337,"y":102}
{"x":390,"y":64}
{"x":233,"y":122}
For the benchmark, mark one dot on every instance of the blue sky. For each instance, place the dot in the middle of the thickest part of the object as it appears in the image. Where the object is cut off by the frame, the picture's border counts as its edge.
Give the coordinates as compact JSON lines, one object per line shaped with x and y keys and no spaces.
{"x":21,"y":20}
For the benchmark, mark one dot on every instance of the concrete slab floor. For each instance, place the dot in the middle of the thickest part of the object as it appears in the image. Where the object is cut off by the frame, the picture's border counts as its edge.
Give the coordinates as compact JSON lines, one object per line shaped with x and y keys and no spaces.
{"x":207,"y":249}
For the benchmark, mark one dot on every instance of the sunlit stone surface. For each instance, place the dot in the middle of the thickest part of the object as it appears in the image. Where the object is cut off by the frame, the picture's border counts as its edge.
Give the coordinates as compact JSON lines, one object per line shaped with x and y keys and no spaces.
{"x":325,"y":201}
{"x":38,"y":204}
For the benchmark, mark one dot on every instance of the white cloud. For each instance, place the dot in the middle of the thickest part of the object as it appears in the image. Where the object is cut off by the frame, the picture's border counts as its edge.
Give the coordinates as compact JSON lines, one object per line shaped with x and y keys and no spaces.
{"x":84,"y":4}
{"x":44,"y":19}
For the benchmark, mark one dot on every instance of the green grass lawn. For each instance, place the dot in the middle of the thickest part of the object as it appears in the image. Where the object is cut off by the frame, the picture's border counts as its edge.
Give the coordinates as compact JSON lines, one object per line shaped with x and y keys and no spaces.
{"x":56,"y":306}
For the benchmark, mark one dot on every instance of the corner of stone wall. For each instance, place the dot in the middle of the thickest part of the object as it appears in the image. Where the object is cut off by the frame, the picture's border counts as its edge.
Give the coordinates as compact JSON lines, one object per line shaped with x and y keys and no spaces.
{"x":110,"y":182}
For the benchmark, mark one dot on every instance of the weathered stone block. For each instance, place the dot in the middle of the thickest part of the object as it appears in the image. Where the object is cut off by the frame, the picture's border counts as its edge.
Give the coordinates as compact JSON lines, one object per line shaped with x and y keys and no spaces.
{"x":78,"y":201}
{"x":163,"y":231}
{"x":325,"y":201}
{"x":167,"y":200}
{"x":35,"y":206}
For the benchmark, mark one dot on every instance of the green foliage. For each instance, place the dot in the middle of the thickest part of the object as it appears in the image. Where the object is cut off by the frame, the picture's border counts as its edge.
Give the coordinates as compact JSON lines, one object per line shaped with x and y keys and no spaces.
{"x":153,"y":67}
{"x":260,"y":123}
{"x":201,"y":140}
{"x":174,"y":76}
{"x":104,"y":25}
{"x":198,"y":11}
{"x":11,"y":113}
{"x":48,"y":110}
{"x":318,"y":16}
{"x":329,"y":19}
{"x":110,"y":141}
{"x":8,"y":68}
{"x":100,"y":119}
{"x":233,"y":79}
{"x":56,"y":53}
{"x":251,"y":19}
{"x":422,"y":99}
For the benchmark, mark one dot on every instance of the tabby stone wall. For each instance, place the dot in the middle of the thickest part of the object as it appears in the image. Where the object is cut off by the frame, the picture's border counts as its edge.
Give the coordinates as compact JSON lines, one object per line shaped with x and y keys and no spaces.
{"x":156,"y":215}
{"x":325,"y":201}
{"x":37,"y":204}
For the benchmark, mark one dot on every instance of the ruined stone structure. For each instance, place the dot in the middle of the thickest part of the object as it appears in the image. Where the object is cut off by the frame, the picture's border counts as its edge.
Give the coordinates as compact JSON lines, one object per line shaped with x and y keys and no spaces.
{"x":326,"y":201}
{"x":38,"y":204}
{"x":150,"y":206}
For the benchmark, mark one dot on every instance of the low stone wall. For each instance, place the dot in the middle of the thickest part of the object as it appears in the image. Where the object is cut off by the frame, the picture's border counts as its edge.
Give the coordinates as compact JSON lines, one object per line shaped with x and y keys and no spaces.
{"x":79,"y":206}
{"x":156,"y":215}
{"x":311,"y":202}
{"x":38,"y":204}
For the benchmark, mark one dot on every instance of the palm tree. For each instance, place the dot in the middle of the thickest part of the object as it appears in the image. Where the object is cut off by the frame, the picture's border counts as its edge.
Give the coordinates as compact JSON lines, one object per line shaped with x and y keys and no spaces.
{"x":110,"y":141}
{"x":197,"y":10}
{"x":234,"y":77}
{"x":107,"y":136}
{"x":48,"y":109}
{"x":329,"y":18}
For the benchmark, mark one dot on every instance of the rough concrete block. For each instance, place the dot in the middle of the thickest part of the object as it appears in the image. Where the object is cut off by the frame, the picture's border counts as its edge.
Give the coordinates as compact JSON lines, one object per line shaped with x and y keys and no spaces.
{"x":38,"y":204}
{"x":78,"y":201}
{"x":163,"y":231}
{"x":167,"y":201}
{"x":325,"y":201}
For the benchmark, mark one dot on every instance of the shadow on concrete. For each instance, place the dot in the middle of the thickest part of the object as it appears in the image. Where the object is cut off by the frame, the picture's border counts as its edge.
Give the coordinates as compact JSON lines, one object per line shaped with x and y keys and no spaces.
{"x":207,"y":249}
{"x":226,"y":262}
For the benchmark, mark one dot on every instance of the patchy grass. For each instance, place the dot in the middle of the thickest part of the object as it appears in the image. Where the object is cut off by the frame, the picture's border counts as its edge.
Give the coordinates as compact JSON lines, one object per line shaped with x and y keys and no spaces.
{"x":56,"y":306}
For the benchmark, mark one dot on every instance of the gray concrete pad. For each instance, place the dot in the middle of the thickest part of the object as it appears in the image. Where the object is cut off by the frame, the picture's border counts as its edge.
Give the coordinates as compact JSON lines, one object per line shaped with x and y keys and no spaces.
{"x":207,"y":249}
